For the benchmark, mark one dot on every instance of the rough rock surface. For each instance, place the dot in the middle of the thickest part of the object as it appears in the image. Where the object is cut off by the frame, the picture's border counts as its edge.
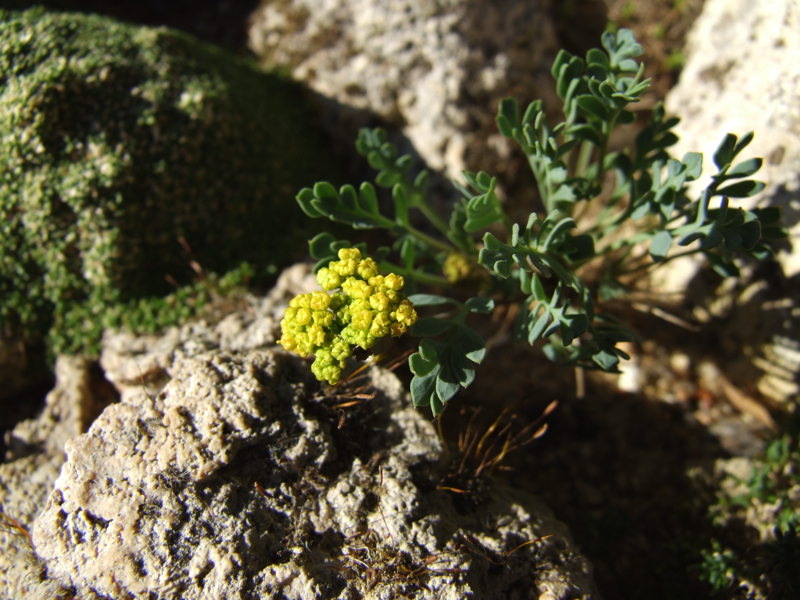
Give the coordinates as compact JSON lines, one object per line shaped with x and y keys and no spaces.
{"x":35,"y":455}
{"x":741,"y":75}
{"x":133,"y":362}
{"x":240,"y":481}
{"x":437,"y":70}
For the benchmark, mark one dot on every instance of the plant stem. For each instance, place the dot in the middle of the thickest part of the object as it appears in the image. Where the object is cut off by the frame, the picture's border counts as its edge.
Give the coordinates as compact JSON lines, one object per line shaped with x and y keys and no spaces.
{"x":431,"y":241}
{"x":434,"y":218}
{"x":661,"y":262}
{"x":420,"y":276}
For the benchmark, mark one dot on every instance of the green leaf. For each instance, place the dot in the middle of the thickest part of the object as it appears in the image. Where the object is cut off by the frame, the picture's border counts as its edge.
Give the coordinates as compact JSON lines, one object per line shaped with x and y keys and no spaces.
{"x":745,"y":168}
{"x":768,"y":214}
{"x":537,"y":323}
{"x":408,"y":252}
{"x":586,"y":132}
{"x":446,"y":383}
{"x":431,"y":300}
{"x":429,"y":326}
{"x":592,"y":107}
{"x":724,"y":152}
{"x":607,"y":361}
{"x":577,"y":247}
{"x":626,"y":117}
{"x":320,"y":245}
{"x":562,"y":58}
{"x":741,"y":189}
{"x":573,"y":327}
{"x":743,"y":143}
{"x":472,"y":180}
{"x":369,"y":200}
{"x":431,"y":350}
{"x":388,"y":178}
{"x":722,"y":267}
{"x":694,"y":165}
{"x":304,"y":199}
{"x":462,"y":369}
{"x":423,"y":388}
{"x":508,"y":113}
{"x":400,"y":205}
{"x":504,"y":127}
{"x":419,"y":366}
{"x":323,"y":189}
{"x":660,"y":245}
{"x":595,"y":56}
{"x":538,"y":289}
{"x":469,"y":344}
{"x":478,"y":304}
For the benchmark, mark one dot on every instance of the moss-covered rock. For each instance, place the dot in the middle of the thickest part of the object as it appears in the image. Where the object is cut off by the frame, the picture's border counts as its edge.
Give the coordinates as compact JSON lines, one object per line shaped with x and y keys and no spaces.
{"x":115,"y":141}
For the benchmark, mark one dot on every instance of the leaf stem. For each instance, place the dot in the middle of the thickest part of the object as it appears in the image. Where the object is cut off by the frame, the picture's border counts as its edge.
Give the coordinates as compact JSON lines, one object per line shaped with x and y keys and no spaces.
{"x":645,"y":266}
{"x":431,"y":241}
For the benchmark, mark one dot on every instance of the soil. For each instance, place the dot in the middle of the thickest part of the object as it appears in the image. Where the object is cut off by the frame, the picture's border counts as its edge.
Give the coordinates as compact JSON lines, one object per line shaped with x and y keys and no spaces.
{"x":627,"y":472}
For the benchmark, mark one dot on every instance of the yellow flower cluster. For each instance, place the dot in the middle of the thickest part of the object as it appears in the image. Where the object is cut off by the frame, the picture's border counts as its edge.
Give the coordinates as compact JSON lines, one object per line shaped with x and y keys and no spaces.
{"x":370,"y":306}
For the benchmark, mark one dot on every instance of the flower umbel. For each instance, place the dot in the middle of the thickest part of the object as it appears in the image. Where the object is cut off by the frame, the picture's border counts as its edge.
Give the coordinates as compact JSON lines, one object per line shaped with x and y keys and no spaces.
{"x":369,"y":307}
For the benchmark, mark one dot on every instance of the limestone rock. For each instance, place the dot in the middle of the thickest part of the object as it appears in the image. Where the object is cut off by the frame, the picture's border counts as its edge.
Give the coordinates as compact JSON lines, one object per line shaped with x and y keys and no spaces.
{"x":741,"y":75}
{"x":35,"y":455}
{"x":135,"y":362}
{"x":437,"y":70}
{"x":25,"y":485}
{"x":69,"y":410}
{"x":241,"y":480}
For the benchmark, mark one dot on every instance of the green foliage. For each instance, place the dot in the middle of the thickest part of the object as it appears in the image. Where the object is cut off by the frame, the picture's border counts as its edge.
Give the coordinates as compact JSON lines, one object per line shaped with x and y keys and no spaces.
{"x":718,"y":567}
{"x":441,"y":366}
{"x":540,"y":265}
{"x":117,"y":140}
{"x":79,"y":330}
{"x":773,"y":481}
{"x":766,"y":500}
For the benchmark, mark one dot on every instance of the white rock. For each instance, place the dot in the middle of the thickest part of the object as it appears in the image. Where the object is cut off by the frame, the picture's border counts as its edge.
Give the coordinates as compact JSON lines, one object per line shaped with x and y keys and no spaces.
{"x":435,"y":69}
{"x":161,"y":499}
{"x":741,"y":75}
{"x":35,"y":455}
{"x":69,"y":410}
{"x":134,"y":363}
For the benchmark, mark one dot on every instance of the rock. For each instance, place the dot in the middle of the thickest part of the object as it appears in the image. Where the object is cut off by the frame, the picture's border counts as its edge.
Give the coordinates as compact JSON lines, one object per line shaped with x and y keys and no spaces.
{"x":435,"y":70}
{"x":35,"y":455}
{"x":134,"y":362}
{"x":741,"y":75}
{"x":119,"y":140}
{"x":241,"y":480}
{"x":25,"y":485}
{"x":69,"y":410}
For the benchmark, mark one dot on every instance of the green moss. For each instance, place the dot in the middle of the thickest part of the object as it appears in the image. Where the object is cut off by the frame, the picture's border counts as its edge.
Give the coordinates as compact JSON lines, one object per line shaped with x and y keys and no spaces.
{"x":115,"y":141}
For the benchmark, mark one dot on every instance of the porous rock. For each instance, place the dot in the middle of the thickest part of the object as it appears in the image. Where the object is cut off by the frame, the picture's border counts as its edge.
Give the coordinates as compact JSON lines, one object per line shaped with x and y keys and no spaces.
{"x":437,"y":70}
{"x":241,"y":480}
{"x":35,"y":453}
{"x":741,"y":75}
{"x":69,"y":409}
{"x":134,"y":362}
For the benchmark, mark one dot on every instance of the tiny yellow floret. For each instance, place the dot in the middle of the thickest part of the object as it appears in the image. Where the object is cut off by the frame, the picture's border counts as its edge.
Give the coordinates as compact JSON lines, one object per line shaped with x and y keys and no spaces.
{"x":370,"y":306}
